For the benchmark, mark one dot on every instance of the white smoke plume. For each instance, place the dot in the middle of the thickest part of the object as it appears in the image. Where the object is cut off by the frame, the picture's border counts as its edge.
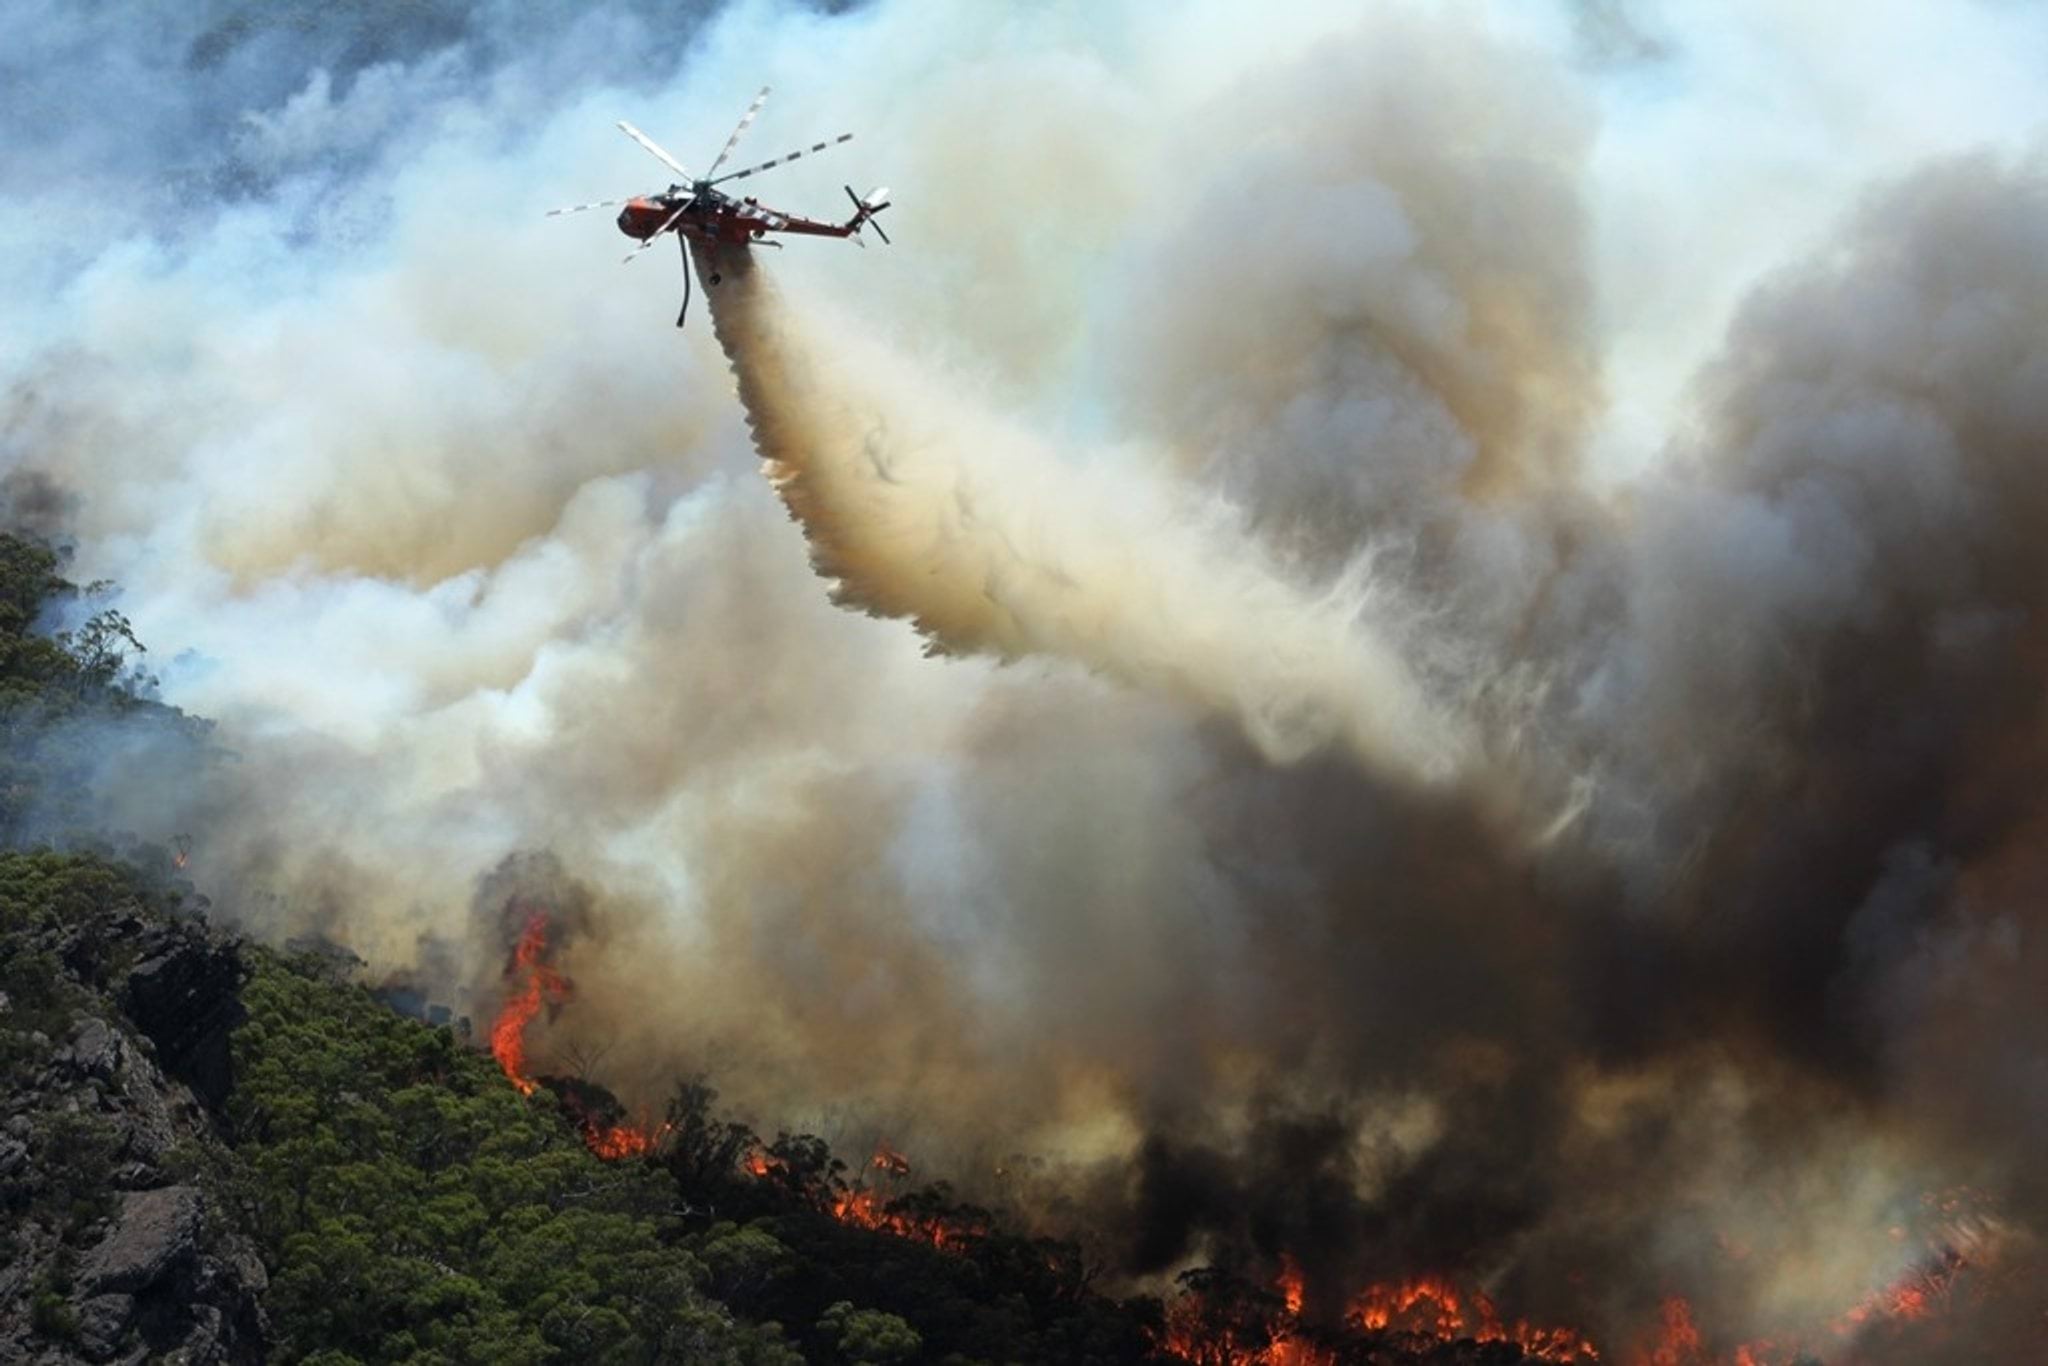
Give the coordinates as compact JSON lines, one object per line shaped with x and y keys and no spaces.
{"x":1639,"y":401}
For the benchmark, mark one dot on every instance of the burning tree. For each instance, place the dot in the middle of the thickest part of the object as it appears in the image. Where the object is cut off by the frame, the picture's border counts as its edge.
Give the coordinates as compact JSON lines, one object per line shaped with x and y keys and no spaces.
{"x":1223,"y":1320}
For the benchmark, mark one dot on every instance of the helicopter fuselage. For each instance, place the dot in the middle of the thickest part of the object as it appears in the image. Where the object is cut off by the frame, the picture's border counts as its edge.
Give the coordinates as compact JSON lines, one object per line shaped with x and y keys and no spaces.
{"x":712,"y":216}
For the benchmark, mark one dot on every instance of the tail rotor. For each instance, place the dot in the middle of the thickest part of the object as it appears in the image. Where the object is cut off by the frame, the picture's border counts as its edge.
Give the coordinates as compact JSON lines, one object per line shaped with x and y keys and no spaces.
{"x":865,"y":207}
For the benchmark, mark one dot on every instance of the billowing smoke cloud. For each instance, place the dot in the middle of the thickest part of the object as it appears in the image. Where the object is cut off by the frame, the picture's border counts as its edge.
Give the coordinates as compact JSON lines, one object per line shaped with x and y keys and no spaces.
{"x":1634,"y":409}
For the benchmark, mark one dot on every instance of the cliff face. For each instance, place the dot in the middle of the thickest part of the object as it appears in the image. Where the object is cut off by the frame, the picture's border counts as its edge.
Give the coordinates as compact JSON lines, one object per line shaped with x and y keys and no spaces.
{"x":114,"y":1024}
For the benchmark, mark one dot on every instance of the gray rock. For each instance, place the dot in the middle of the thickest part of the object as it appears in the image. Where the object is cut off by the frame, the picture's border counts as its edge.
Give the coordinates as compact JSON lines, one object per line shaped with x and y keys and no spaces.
{"x":156,"y":1232}
{"x":14,"y":1278}
{"x":149,"y":1123}
{"x":248,"y":1267}
{"x":94,"y":1051}
{"x":203,"y":1343}
{"x":13,"y":1152}
{"x":102,"y":1322}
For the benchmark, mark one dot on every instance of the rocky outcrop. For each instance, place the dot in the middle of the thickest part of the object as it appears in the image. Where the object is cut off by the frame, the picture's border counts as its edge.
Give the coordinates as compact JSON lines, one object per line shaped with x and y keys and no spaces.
{"x":114,"y":1246}
{"x":159,"y":1285}
{"x":182,"y":994}
{"x":155,"y":1232}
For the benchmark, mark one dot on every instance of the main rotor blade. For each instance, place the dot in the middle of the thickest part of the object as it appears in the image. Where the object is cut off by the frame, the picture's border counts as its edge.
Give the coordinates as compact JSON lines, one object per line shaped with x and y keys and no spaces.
{"x":779,"y":161}
{"x":655,"y":236}
{"x":579,"y":208}
{"x":655,"y":148}
{"x":734,"y":140}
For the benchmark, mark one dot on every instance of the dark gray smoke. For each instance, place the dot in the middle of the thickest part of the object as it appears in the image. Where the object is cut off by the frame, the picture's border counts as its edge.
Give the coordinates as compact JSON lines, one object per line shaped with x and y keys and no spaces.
{"x":1813,"y":645}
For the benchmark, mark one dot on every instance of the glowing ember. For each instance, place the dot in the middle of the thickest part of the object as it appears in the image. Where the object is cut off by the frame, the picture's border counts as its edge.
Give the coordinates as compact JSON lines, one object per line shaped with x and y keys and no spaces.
{"x":887,"y":1159}
{"x":538,"y":985}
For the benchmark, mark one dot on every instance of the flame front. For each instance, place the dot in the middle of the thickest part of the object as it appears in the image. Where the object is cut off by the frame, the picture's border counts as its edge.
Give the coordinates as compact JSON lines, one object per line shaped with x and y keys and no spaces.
{"x":1435,"y":1307}
{"x":1290,"y":1284}
{"x":1231,"y":1332}
{"x":1678,"y":1341}
{"x":538,"y":985}
{"x":613,"y":1141}
{"x":1426,"y":1307}
{"x":869,"y":1207}
{"x":865,"y":1207}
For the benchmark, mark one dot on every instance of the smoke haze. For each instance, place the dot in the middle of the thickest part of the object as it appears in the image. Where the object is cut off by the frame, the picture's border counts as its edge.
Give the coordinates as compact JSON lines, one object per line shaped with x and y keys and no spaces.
{"x":1486,"y":570}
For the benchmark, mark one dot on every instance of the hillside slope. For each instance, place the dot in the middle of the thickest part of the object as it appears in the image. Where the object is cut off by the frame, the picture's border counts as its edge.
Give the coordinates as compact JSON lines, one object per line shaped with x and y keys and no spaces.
{"x":213,"y":1152}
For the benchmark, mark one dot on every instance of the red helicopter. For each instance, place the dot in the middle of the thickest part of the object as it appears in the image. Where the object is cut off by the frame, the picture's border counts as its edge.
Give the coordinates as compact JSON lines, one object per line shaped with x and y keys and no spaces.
{"x":696,"y":210}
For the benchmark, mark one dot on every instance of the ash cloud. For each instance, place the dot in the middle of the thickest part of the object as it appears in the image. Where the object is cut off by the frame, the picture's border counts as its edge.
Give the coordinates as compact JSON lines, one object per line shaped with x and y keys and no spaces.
{"x":1692,"y":477}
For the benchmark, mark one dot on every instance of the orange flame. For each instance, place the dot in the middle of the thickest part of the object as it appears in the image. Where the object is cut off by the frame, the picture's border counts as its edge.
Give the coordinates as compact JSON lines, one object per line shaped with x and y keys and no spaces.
{"x":618,"y":1141}
{"x":1190,"y":1336}
{"x":1923,"y":1290}
{"x":1434,"y":1306}
{"x":1423,"y":1307}
{"x":614,"y":1141}
{"x":541,"y":985}
{"x":1678,"y":1338}
{"x":866,"y":1208}
{"x":1914,"y":1295}
{"x":538,"y":985}
{"x":1290,"y":1284}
